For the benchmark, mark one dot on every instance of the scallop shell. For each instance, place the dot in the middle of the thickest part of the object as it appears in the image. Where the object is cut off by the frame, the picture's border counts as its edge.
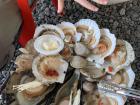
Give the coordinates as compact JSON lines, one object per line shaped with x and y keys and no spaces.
{"x":92,"y":26}
{"x":117,"y":98}
{"x":24,"y":62}
{"x":127,"y":78}
{"x":38,"y":44}
{"x":69,"y":29}
{"x":92,"y":71}
{"x":81,"y":49}
{"x":56,"y":62}
{"x":99,"y":58}
{"x":22,"y":100}
{"x":47,"y":29}
{"x":78,"y":62}
{"x":64,"y":92}
{"x":131,"y":76}
{"x":130,"y":57}
{"x":97,"y":96}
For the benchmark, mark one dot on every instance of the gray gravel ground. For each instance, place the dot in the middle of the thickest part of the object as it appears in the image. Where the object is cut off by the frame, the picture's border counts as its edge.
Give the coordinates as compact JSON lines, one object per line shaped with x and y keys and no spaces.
{"x":122,"y":19}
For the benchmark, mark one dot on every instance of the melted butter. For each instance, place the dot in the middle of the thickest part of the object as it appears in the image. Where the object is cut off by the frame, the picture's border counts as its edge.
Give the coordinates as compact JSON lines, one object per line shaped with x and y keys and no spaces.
{"x":50,"y":45}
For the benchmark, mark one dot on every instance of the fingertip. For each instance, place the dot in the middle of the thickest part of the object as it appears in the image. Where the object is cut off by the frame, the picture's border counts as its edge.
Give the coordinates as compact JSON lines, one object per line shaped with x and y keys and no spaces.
{"x":96,"y":9}
{"x":104,"y":2}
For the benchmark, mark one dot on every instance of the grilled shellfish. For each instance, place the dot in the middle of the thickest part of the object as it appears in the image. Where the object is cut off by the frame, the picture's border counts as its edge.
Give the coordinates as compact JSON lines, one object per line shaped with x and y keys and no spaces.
{"x":70,"y":32}
{"x":105,"y":47}
{"x":120,"y":58}
{"x":49,"y":44}
{"x":90,"y":32}
{"x":32,"y":95}
{"x":48,"y":29}
{"x":24,"y":62}
{"x":49,"y":69}
{"x":124,"y":77}
{"x":68,"y":92}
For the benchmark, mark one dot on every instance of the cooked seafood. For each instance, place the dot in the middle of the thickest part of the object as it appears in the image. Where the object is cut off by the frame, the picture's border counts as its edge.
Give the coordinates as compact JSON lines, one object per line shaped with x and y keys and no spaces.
{"x":49,"y":69}
{"x":81,"y":49}
{"x":69,"y":30}
{"x":32,"y":95}
{"x":90,"y":32}
{"x":64,"y":95}
{"x":48,"y":29}
{"x":93,"y":55}
{"x":49,"y":44}
{"x":125,"y":77}
{"x":100,"y":98}
{"x":24,"y":62}
{"x":121,"y":57}
{"x":105,"y":47}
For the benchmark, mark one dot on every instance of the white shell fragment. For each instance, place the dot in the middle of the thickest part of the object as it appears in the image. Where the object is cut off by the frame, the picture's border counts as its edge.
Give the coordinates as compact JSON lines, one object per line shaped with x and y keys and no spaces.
{"x":43,"y":64}
{"x":48,"y":44}
{"x":90,"y":31}
{"x":48,"y":29}
{"x":107,"y":44}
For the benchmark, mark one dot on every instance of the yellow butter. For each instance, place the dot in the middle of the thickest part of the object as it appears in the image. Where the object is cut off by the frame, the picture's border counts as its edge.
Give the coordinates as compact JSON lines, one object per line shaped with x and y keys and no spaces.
{"x":50,"y":45}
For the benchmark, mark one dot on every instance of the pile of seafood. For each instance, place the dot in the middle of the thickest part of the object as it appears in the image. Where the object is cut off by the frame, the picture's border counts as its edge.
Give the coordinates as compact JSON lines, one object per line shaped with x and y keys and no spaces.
{"x":84,"y":50}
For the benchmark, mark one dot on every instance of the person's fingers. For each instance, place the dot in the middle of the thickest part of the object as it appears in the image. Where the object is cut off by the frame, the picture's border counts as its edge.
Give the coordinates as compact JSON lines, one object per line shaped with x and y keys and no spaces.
{"x":87,"y":5}
{"x":103,"y":2}
{"x":60,"y":6}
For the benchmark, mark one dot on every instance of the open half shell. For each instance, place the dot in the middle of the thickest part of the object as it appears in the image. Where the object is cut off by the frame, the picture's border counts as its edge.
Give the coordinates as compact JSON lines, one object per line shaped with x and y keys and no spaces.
{"x":124,"y":77}
{"x":93,"y":71}
{"x":48,"y":29}
{"x":32,"y":96}
{"x":120,"y":58}
{"x":78,"y":62}
{"x":49,"y":44}
{"x":64,"y":95}
{"x":81,"y":49}
{"x":105,"y":47}
{"x":90,"y":32}
{"x":102,"y":98}
{"x":24,"y":62}
{"x":49,"y":69}
{"x":70,"y":32}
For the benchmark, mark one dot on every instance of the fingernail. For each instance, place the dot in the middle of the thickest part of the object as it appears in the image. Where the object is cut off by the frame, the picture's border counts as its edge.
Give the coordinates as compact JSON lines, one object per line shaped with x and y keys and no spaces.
{"x":58,"y":11}
{"x":104,"y":1}
{"x":96,"y":9}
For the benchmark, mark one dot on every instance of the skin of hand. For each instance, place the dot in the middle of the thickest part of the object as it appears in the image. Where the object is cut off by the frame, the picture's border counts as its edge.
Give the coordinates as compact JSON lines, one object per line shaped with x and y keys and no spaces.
{"x":84,"y":3}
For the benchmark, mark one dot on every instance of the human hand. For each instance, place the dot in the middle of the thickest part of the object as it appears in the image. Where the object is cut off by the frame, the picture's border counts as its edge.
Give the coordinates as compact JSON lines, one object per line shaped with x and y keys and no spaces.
{"x":84,"y":3}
